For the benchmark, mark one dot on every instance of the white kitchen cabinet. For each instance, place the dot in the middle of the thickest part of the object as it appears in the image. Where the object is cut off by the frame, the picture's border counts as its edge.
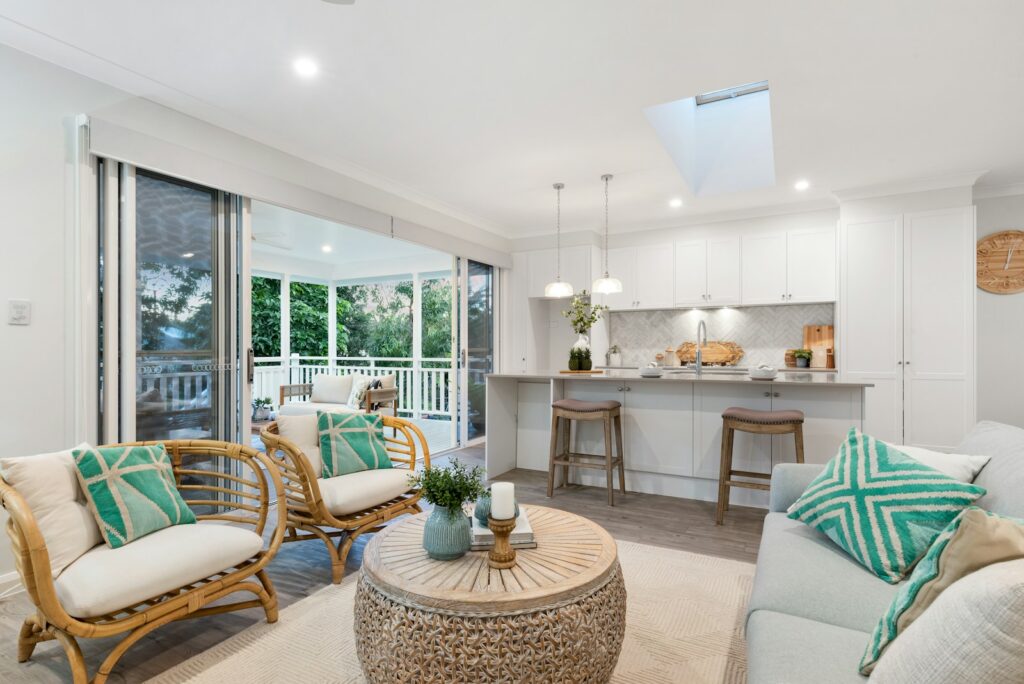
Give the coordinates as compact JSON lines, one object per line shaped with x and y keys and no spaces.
{"x":646,"y":276}
{"x":811,"y":266}
{"x":750,"y":452}
{"x":789,"y":268}
{"x":723,"y":271}
{"x":907,"y":323}
{"x":540,"y":266}
{"x":764,"y":269}
{"x":707,"y":272}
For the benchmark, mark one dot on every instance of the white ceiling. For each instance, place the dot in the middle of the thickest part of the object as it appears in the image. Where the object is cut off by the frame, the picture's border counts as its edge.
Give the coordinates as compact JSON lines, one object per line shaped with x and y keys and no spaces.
{"x":480,"y":106}
{"x":288,"y":233}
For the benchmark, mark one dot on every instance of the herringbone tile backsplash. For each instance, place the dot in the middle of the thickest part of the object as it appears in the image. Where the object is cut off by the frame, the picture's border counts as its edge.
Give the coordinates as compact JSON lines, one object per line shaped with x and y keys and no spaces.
{"x":764,"y":332}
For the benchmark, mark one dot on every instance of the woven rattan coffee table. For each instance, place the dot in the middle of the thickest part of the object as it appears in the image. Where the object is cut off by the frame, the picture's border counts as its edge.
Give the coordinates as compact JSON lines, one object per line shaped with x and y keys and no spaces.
{"x":558,"y":616}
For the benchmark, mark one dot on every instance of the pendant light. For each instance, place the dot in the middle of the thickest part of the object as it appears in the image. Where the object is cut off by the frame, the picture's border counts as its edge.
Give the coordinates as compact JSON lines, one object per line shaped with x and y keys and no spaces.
{"x":557,"y":289}
{"x":606,"y":284}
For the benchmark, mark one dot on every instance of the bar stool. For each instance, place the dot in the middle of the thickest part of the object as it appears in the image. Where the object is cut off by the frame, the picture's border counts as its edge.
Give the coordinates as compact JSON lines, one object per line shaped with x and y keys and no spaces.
{"x":757,"y":422}
{"x":608,"y":412}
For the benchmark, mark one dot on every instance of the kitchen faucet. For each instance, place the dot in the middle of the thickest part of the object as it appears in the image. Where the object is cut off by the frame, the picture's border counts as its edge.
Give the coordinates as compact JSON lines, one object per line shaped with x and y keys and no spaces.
{"x":702,"y":339}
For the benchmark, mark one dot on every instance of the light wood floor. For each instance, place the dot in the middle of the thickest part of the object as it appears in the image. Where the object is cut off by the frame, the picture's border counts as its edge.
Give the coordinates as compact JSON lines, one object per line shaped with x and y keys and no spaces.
{"x":301,"y":569}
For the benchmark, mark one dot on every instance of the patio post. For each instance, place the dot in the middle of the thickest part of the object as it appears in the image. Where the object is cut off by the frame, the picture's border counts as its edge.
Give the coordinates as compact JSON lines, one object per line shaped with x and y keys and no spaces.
{"x":332,"y":325}
{"x":286,"y":323}
{"x":417,"y":345}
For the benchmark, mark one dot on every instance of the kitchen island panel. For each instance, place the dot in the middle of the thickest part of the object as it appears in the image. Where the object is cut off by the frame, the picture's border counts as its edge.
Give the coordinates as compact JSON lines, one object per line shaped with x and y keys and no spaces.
{"x":828,"y":416}
{"x":749,"y":452}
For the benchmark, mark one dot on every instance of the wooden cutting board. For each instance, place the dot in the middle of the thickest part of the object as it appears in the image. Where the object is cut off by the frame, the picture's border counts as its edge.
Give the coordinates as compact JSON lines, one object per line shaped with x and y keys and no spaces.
{"x":727,"y":353}
{"x":819,"y":336}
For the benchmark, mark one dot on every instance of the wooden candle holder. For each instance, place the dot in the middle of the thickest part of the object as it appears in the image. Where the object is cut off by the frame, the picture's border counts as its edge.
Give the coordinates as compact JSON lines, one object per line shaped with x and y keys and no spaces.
{"x":502,"y":555}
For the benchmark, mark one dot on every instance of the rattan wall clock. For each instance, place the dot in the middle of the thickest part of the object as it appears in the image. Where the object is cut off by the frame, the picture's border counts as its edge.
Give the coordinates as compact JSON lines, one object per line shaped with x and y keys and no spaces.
{"x":1001,"y":262}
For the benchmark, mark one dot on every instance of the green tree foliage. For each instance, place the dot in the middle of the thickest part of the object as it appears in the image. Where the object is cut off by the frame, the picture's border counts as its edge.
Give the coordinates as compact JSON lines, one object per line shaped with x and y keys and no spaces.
{"x":266,"y":316}
{"x":437,"y":318}
{"x":308,"y":319}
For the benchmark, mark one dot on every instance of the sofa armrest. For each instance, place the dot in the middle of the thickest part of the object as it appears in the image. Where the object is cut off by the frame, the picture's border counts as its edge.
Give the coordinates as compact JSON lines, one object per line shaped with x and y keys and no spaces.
{"x":789,"y":480}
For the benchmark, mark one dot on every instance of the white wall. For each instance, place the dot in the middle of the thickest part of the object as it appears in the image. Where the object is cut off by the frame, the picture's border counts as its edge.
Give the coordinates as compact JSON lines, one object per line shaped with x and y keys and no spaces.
{"x":1000,"y":326}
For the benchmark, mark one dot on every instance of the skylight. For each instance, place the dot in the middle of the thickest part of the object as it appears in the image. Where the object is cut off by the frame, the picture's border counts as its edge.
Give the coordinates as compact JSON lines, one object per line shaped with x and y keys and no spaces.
{"x":730,"y":93}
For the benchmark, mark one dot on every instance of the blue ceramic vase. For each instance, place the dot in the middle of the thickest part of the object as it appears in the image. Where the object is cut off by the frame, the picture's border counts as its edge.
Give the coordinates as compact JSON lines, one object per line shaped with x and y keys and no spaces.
{"x":483,"y":508}
{"x":447,"y":534}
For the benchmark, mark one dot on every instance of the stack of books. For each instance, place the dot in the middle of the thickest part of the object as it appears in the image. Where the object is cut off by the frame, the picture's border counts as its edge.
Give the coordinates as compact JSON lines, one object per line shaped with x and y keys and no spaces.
{"x":521,"y":537}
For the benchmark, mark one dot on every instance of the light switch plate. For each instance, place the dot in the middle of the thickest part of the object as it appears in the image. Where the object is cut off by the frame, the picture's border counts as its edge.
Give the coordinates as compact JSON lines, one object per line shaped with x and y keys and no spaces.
{"x":19,"y":312}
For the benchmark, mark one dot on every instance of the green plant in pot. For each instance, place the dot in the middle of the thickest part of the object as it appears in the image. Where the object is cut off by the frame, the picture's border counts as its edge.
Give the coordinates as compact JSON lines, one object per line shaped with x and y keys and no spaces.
{"x":448,"y":534}
{"x":582,"y":315}
{"x":803,"y":358}
{"x":261,"y":408}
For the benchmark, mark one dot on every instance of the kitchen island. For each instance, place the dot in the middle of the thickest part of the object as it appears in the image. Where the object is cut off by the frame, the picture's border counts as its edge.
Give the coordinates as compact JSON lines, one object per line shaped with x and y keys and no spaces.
{"x":672,"y":426}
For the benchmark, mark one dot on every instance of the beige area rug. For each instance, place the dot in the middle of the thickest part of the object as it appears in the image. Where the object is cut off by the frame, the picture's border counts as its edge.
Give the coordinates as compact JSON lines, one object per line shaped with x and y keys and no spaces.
{"x":684,"y":623}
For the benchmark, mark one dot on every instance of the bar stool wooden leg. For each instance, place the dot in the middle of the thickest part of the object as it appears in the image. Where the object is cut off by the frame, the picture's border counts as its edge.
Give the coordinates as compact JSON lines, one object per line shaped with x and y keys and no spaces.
{"x":608,"y":446}
{"x":554,"y":451}
{"x":798,"y":437}
{"x":567,"y":449}
{"x":622,"y":459}
{"x":724,"y":473}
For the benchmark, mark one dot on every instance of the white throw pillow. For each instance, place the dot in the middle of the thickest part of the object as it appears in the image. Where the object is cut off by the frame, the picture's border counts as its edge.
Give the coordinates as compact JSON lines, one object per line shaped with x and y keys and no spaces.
{"x":974,"y":632}
{"x":958,"y":466}
{"x":387,"y":381}
{"x":331,"y":389}
{"x":49,"y":485}
{"x":302,"y":431}
{"x":357,"y":397}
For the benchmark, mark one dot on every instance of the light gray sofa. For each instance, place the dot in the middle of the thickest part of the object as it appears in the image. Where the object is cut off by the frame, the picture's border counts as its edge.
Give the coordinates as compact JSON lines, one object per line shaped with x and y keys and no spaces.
{"x":813,"y":608}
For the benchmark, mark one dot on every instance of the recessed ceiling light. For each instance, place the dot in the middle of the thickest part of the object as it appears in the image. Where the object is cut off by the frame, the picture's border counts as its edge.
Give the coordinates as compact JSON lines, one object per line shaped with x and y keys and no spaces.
{"x":326,"y":249}
{"x":305,"y":67}
{"x":802,"y":184}
{"x":188,"y":255}
{"x":675,"y":202}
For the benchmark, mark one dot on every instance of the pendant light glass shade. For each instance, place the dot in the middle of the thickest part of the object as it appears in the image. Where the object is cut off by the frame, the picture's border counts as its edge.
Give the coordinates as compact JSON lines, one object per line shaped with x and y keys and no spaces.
{"x":556,"y":289}
{"x":606,"y":284}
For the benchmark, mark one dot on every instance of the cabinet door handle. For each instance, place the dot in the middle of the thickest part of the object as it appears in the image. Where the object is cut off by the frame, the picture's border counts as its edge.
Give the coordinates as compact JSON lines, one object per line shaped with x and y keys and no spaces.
{"x":776,"y":394}
{"x":899,"y":363}
{"x":709,"y":298}
{"x":783,"y":297}
{"x":908,"y":363}
{"x":628,"y":388}
{"x":618,"y":389}
{"x":767,"y":394}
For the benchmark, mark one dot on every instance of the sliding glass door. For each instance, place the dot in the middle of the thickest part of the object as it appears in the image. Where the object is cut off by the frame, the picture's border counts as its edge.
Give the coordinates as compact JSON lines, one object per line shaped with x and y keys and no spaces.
{"x":176,"y":367}
{"x":477,"y":330}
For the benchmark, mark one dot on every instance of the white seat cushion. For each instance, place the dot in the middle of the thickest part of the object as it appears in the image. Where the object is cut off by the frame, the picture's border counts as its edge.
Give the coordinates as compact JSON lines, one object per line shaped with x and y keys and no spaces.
{"x":331,"y":389}
{"x":104,"y":580}
{"x":49,"y":485}
{"x":301,"y":430}
{"x":305,"y":408}
{"x":358,"y":491}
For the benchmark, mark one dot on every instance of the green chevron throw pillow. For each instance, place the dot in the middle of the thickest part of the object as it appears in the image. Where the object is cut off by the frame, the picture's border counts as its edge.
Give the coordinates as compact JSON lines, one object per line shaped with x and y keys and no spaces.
{"x":350,"y":442}
{"x":881,"y":506}
{"x":131,"y":491}
{"x":975,"y":539}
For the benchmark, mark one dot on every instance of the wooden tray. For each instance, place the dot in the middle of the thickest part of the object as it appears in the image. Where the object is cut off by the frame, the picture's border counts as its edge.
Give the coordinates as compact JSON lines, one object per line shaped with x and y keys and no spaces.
{"x":726,"y":353}
{"x":589,"y":372}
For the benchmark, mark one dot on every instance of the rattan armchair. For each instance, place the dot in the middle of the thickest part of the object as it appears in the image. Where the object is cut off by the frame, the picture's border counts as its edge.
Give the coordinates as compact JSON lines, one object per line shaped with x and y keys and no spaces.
{"x":245,"y":496}
{"x":307,"y":512}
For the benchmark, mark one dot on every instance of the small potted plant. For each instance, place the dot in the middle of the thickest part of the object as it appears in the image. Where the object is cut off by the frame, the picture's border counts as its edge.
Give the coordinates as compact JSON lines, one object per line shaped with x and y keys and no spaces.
{"x":582,"y":315}
{"x":261,"y":408}
{"x":803,"y":358}
{"x":448,"y":534}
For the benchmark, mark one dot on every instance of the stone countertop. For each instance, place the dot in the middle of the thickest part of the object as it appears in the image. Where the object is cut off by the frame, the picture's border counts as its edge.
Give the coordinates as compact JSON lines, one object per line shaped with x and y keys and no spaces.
{"x":783,"y":378}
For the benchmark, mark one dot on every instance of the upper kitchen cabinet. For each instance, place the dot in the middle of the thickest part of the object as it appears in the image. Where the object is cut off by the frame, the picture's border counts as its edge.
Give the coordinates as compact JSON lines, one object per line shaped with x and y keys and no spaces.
{"x":646,"y":275}
{"x":787,"y":268}
{"x":541,"y":268}
{"x":707,"y":272}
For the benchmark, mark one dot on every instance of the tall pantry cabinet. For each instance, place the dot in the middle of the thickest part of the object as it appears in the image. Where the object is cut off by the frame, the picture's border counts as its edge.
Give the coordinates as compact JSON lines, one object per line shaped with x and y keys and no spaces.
{"x":906,"y":319}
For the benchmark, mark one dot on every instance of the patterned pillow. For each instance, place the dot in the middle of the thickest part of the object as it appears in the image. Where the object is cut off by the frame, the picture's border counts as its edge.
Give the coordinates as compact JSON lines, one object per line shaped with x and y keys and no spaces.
{"x":975,"y":539}
{"x":131,"y":491}
{"x":881,"y":506}
{"x":357,"y":397}
{"x":351,"y":442}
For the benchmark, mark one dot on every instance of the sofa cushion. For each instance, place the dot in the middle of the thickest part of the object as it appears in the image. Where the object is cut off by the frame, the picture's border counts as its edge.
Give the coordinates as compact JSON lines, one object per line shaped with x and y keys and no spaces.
{"x":976,"y":539}
{"x":131,"y":490}
{"x":49,"y":485}
{"x":106,"y":579}
{"x":974,"y":632}
{"x":310,"y":408}
{"x":801,"y":572}
{"x":963,"y":467}
{"x":355,"y":492}
{"x":881,"y":506}
{"x":1003,"y":477}
{"x":301,"y":430}
{"x":351,"y":442}
{"x":331,"y":389}
{"x":785,"y":649}
{"x":357,"y":397}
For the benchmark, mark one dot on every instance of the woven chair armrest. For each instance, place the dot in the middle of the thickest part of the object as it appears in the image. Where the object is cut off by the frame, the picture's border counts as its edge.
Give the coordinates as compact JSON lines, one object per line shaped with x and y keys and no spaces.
{"x":301,"y":390}
{"x":299,"y":480}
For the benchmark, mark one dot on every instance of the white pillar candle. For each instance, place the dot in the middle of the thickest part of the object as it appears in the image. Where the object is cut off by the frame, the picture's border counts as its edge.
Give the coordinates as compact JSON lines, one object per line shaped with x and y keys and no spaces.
{"x":503,"y":500}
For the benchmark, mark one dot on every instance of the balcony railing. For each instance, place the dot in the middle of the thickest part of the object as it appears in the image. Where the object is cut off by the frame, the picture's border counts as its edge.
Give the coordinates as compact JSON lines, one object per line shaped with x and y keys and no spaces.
{"x":425,"y":386}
